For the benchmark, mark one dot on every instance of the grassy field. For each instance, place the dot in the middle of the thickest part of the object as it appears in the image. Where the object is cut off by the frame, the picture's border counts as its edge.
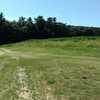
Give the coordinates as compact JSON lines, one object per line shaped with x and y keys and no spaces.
{"x":51,"y":69}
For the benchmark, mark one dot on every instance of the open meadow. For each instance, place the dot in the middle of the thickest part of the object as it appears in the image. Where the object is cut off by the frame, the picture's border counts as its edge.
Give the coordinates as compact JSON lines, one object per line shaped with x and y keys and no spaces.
{"x":51,"y":69}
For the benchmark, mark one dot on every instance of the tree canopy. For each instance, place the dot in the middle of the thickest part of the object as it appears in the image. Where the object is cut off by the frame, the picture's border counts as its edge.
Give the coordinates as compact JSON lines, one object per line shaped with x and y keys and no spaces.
{"x":27,"y":28}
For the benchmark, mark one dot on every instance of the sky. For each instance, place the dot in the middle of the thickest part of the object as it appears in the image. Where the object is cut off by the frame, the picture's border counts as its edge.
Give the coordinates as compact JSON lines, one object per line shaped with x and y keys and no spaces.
{"x":73,"y":12}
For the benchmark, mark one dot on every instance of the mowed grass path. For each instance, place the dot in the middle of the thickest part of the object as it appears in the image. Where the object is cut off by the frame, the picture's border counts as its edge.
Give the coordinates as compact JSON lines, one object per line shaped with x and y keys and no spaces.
{"x":53,"y":69}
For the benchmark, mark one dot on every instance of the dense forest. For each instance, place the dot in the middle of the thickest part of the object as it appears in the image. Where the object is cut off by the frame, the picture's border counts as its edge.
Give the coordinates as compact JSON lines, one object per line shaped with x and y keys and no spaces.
{"x":40,"y":28}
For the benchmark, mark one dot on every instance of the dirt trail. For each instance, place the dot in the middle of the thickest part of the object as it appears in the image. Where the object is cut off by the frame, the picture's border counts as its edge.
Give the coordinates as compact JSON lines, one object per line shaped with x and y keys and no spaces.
{"x":24,"y":92}
{"x":15,"y":54}
{"x":10,"y":53}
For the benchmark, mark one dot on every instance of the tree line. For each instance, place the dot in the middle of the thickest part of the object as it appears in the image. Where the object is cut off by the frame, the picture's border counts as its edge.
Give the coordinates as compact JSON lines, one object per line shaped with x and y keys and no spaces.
{"x":40,"y":28}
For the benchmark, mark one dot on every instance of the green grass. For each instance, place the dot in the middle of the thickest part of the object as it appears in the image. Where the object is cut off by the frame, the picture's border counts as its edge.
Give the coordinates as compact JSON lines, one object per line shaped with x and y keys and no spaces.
{"x":61,"y":68}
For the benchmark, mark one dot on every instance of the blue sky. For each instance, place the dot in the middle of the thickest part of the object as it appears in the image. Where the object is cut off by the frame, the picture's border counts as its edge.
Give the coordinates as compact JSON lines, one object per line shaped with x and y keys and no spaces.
{"x":75,"y":12}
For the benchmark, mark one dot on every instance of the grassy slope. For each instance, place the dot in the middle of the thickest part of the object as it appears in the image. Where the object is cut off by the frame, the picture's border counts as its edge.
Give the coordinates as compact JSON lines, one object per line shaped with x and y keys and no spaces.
{"x":59,"y":69}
